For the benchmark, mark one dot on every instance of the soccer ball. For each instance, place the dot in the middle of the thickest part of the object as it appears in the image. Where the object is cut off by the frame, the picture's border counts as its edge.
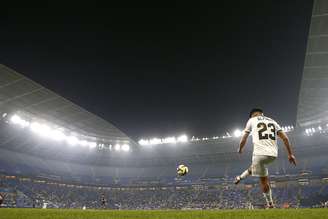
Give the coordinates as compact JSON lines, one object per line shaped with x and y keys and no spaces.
{"x":182,"y":170}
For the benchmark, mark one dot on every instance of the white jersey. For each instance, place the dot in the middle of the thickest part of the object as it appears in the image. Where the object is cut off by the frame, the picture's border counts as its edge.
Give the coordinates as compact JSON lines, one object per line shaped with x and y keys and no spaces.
{"x":264,"y":134}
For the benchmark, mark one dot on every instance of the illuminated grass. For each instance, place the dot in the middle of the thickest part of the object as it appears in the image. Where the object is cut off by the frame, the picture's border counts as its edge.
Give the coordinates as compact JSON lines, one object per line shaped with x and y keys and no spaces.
{"x":217,"y":214}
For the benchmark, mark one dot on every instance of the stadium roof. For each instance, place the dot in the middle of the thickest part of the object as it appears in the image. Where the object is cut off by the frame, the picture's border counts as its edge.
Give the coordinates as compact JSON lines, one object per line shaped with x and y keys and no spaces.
{"x":20,"y":94}
{"x":313,"y":98}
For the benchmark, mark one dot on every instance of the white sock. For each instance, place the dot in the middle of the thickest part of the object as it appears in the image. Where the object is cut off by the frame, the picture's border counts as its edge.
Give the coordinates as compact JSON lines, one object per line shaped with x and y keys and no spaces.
{"x":245,"y":174}
{"x":268,"y":197}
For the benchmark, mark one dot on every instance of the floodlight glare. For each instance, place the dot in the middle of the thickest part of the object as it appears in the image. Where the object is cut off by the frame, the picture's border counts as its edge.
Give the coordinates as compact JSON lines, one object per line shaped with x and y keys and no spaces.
{"x":44,"y":131}
{"x":57,"y":135}
{"x":117,"y":147}
{"x":41,"y":129}
{"x":155,"y":141}
{"x":143,"y":142}
{"x":237,"y":133}
{"x":92,"y":145}
{"x":72,"y":140}
{"x":125,"y":147}
{"x":183,"y":138}
{"x":83,"y":143}
{"x":15,"y":119}
{"x":169,"y":140}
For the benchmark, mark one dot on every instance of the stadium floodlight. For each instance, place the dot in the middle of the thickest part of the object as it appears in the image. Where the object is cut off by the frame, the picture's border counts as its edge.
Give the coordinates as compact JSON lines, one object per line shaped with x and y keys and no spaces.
{"x":41,"y":129}
{"x":155,"y":141}
{"x":92,"y":144}
{"x":117,"y":147}
{"x":101,"y":146}
{"x":169,"y":140}
{"x":237,"y":133}
{"x":182,"y":138}
{"x":57,"y":135}
{"x":125,"y":147}
{"x":23,"y":123}
{"x":83,"y":143}
{"x":35,"y":127}
{"x":72,"y":140}
{"x":17,"y":120}
{"x":143,"y":142}
{"x":45,"y":131}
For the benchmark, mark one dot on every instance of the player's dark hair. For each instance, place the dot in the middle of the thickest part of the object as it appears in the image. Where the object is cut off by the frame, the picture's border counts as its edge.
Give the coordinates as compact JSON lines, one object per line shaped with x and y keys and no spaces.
{"x":254,"y":111}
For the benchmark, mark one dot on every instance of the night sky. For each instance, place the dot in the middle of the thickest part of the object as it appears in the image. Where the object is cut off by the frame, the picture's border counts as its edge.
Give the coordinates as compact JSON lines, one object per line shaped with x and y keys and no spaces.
{"x":170,"y":68}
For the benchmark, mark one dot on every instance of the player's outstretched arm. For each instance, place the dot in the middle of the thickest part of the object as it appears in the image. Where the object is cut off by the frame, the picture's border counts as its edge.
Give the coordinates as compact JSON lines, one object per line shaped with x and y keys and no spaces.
{"x":242,"y":142}
{"x":288,"y":146}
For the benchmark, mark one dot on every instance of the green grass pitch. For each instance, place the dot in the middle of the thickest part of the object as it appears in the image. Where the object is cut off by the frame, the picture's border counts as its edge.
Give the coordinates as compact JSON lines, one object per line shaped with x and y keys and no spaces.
{"x":169,"y":214}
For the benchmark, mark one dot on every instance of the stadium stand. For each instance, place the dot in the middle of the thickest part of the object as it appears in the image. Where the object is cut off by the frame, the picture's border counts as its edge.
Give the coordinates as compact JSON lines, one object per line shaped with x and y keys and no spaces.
{"x":27,"y":192}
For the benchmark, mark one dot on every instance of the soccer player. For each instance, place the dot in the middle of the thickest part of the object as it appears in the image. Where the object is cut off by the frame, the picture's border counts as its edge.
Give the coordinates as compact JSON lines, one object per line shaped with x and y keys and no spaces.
{"x":265,"y":150}
{"x":103,"y":201}
{"x":1,"y":199}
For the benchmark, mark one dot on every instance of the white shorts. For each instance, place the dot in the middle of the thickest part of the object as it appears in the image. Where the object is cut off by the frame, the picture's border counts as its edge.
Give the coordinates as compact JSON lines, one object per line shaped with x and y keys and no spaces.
{"x":259,"y":165}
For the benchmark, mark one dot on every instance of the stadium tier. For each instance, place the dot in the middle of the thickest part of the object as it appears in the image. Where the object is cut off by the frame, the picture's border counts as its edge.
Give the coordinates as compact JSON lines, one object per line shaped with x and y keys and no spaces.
{"x":41,"y":193}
